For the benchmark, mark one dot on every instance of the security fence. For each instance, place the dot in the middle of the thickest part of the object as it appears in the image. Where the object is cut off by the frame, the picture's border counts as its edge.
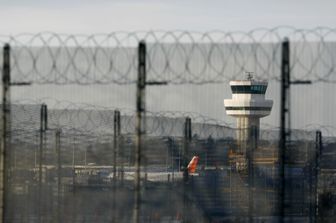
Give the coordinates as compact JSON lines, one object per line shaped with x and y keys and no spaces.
{"x":67,"y":161}
{"x":87,"y":175}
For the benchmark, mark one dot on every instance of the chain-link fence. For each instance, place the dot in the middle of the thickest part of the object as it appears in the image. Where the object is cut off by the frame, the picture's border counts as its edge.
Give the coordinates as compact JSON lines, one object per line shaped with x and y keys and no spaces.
{"x":67,"y":161}
{"x":88,"y":176}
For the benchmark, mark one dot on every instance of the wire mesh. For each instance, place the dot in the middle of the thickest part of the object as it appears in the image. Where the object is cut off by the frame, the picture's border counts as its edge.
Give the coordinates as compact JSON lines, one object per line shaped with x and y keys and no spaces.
{"x":82,"y":169}
{"x":219,"y":190}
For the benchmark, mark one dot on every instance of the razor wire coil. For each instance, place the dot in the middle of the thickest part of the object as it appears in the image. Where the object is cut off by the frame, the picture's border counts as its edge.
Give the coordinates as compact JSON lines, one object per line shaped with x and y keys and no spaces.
{"x":177,"y":57}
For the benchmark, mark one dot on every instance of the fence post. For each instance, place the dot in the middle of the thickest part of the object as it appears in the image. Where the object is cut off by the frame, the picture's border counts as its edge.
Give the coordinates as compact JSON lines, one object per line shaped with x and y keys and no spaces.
{"x":116,"y":134}
{"x":318,"y":149}
{"x":284,"y":123}
{"x":5,"y":119}
{"x":185,"y":156}
{"x":253,"y":138}
{"x":310,"y":173}
{"x":187,"y":140}
{"x":140,"y":109}
{"x":43,"y":128}
{"x":59,"y":169}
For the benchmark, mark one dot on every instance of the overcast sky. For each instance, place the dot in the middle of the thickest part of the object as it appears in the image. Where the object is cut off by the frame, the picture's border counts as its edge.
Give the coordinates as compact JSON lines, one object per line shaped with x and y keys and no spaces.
{"x":92,"y":16}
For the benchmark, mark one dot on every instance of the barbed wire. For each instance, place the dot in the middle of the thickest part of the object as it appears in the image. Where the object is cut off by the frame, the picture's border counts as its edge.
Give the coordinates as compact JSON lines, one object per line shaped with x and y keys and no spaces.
{"x":89,"y":123}
{"x":69,"y":116}
{"x":177,"y":57}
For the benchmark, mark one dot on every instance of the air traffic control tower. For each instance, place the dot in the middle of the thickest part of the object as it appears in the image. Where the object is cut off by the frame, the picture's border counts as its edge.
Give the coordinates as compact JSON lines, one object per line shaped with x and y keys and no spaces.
{"x":248,"y":105}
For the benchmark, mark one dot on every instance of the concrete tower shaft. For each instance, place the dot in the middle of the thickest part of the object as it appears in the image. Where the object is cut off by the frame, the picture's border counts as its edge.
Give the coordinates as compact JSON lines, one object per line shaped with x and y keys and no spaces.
{"x":244,"y":125}
{"x":248,"y":105}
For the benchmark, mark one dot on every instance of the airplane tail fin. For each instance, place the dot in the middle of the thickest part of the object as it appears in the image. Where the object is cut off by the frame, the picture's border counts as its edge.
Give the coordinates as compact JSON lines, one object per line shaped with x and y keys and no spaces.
{"x":193,"y":164}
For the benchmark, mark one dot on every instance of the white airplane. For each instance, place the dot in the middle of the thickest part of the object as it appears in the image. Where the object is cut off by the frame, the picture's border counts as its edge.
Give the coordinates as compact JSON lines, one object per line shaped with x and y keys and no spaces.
{"x":163,"y":176}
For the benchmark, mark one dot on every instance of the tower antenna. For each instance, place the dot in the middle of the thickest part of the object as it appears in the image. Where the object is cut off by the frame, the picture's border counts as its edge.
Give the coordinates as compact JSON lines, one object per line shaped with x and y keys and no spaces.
{"x":249,"y":75}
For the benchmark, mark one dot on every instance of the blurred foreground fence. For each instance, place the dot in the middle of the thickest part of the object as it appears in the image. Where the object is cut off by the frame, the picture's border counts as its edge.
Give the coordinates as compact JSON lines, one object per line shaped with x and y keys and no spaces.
{"x":71,"y":162}
{"x":176,"y":57}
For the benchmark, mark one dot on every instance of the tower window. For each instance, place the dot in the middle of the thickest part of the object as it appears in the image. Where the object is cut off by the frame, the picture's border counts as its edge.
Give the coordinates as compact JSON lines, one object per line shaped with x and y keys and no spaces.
{"x":248,"y":108}
{"x":248,"y":89}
